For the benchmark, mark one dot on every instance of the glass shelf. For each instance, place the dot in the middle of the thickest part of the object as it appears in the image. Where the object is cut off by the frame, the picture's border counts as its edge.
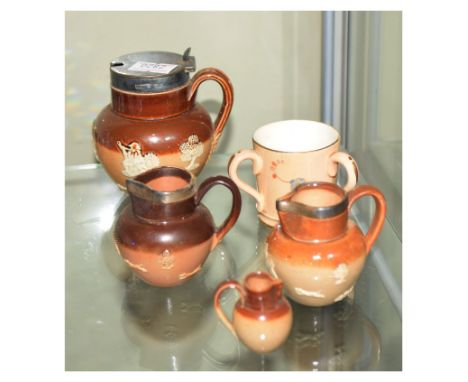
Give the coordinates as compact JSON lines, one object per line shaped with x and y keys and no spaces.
{"x":114,"y":321}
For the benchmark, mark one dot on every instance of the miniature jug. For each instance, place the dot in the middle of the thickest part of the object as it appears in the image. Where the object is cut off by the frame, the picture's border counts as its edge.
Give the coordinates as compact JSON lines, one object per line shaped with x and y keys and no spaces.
{"x":316,"y":250}
{"x":153,"y":119}
{"x":262,"y":317}
{"x":166,"y":233}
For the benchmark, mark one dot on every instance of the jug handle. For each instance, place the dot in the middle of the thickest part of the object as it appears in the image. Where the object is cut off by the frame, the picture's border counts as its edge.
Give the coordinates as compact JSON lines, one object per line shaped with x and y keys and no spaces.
{"x":380,"y":210}
{"x":217,"y":305}
{"x":228,"y":99}
{"x":235,"y":209}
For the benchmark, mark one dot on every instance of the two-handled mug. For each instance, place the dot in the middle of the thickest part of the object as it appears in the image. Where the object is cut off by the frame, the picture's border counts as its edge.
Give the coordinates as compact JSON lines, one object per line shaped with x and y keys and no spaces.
{"x":288,"y":153}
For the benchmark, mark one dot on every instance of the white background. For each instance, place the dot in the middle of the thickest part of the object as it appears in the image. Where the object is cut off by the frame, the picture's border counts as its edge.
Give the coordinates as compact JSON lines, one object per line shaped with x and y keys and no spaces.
{"x":434,"y":178}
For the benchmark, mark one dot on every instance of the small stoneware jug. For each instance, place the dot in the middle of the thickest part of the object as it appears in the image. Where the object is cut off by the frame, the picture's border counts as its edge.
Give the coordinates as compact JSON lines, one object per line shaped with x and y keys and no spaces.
{"x":153,"y":119}
{"x":316,"y":250}
{"x":262,"y":317}
{"x":166,"y":233}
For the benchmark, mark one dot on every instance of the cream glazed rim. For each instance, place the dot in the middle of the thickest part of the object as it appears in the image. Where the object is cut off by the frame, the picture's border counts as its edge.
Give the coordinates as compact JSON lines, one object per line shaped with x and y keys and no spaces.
{"x":296,"y":136}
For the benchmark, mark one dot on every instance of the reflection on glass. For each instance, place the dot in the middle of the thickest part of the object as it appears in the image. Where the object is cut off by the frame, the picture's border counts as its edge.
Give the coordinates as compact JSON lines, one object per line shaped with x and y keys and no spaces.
{"x":335,"y":337}
{"x":169,"y":325}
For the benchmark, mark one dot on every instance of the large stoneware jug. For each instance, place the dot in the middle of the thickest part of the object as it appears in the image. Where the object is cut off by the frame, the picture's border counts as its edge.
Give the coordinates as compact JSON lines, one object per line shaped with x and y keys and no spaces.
{"x":154,"y":119}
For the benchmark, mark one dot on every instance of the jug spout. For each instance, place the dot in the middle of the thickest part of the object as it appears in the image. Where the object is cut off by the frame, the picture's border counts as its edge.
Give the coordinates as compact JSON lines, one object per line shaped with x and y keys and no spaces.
{"x":162,"y":192}
{"x":262,"y":290}
{"x":314,"y":211}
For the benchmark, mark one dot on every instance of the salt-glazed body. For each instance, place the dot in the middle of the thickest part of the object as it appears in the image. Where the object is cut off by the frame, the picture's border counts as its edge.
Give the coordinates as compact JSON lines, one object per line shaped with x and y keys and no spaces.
{"x":165,"y":234}
{"x":154,"y":119}
{"x":315,"y":249}
{"x":262,"y":317}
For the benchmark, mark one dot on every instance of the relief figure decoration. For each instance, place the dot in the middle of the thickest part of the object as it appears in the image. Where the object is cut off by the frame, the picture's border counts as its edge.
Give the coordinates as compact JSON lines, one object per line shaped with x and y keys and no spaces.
{"x":135,"y":162}
{"x":190,"y":150}
{"x":166,"y":260}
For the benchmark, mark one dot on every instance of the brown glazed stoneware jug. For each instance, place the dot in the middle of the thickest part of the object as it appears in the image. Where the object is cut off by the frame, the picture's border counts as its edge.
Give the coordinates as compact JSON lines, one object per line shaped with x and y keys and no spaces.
{"x":316,"y":250}
{"x":262,"y":317}
{"x":166,"y":233}
{"x":154,"y":119}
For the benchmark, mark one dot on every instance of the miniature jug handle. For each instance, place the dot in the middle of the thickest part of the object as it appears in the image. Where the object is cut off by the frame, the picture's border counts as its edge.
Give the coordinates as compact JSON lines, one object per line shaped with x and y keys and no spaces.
{"x":228,"y":98}
{"x":217,"y":304}
{"x":234,"y":163}
{"x":380,"y":210}
{"x":350,"y":165}
{"x":235,"y":209}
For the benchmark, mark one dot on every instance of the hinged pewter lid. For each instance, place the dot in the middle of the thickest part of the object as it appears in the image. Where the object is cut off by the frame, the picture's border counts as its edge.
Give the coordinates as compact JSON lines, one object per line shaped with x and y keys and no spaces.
{"x":151,"y":72}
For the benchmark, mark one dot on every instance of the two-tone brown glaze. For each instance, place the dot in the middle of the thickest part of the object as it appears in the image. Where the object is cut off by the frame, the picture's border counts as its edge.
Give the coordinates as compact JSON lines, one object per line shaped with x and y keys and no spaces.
{"x":262,"y":316}
{"x":316,"y":250}
{"x":166,"y":233}
{"x":141,"y":131}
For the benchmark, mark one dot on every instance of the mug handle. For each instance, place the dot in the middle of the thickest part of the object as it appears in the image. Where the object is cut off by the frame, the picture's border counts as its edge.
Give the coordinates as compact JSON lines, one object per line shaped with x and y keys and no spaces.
{"x":350,"y":165}
{"x":217,"y":305}
{"x":234,"y":163}
{"x":235,"y":209}
{"x":379,"y":216}
{"x":228,"y":98}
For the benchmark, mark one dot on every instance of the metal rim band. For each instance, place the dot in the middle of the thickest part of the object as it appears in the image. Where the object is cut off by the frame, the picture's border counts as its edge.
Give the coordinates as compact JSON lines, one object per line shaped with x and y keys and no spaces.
{"x":138,"y":185}
{"x":283,"y":205}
